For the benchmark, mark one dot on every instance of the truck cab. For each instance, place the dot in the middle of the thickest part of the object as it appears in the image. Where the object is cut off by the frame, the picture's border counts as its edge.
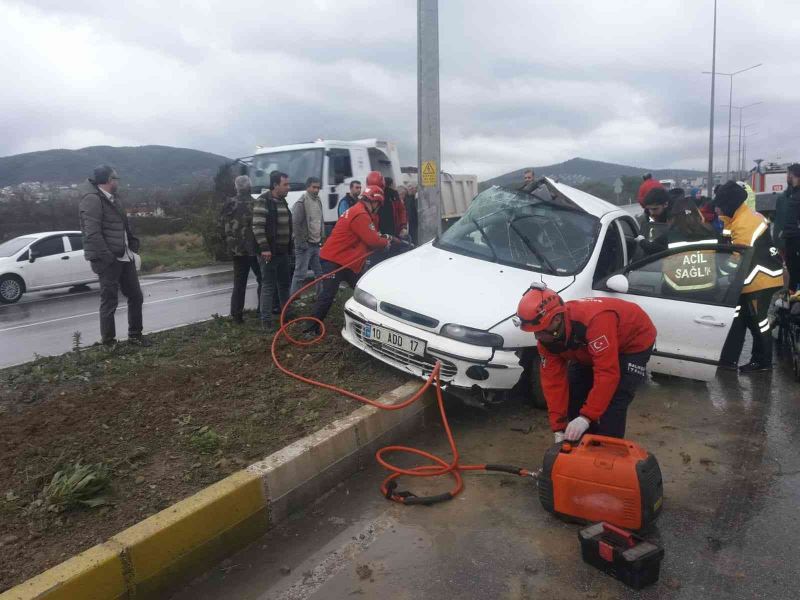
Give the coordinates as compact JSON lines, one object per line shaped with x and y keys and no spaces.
{"x":335,"y":162}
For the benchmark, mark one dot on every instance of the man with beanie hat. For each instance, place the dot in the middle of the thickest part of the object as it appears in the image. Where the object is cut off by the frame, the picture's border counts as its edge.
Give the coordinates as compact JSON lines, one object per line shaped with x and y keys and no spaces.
{"x":653,"y":221}
{"x":109,"y":245}
{"x":764,"y":278}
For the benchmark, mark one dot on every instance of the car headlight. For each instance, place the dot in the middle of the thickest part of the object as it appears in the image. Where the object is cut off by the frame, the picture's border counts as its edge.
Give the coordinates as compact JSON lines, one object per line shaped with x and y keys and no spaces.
{"x":468,"y":335}
{"x":365,"y":298}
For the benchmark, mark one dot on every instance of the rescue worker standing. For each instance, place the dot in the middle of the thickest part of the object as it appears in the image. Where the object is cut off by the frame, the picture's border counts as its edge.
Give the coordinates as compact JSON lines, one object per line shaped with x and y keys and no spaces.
{"x":353,"y":237}
{"x":594,"y":354}
{"x":765,"y":277}
{"x":653,"y":222}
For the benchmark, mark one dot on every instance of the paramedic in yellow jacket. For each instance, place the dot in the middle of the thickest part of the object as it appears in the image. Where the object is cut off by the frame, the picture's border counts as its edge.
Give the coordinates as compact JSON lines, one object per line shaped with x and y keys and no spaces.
{"x":764,"y":278}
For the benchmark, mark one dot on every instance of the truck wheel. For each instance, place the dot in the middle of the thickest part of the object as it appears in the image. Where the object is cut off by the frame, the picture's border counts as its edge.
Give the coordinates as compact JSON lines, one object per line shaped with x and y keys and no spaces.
{"x":11,"y":289}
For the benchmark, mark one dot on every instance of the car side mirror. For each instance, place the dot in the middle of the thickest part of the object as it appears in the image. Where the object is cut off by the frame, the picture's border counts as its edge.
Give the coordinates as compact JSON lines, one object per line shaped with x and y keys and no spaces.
{"x":618,"y":283}
{"x":32,"y":255}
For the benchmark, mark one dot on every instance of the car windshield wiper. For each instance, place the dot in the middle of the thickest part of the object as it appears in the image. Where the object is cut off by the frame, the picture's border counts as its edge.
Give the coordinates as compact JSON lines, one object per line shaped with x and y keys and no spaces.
{"x":531,"y":247}
{"x":485,"y":237}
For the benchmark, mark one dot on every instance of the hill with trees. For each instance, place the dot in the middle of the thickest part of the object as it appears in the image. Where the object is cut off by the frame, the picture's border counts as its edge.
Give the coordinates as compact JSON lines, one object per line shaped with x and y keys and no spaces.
{"x":581,"y":170}
{"x":142,"y":166}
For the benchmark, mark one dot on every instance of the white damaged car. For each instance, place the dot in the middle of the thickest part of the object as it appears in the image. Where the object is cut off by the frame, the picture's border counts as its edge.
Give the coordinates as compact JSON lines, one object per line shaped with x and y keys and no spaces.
{"x":454,"y":299}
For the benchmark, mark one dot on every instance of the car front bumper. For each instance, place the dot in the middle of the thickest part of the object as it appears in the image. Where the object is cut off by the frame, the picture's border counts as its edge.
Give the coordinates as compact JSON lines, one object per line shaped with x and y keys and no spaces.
{"x":493,"y":369}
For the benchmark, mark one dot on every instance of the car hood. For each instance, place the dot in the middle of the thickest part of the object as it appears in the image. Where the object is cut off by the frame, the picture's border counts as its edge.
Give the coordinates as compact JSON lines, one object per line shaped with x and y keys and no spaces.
{"x":453,"y":288}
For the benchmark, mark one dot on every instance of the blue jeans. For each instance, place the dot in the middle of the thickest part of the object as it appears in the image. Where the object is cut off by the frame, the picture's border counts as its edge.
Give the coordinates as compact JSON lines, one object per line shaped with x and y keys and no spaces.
{"x":305,"y":257}
{"x":274,"y":282}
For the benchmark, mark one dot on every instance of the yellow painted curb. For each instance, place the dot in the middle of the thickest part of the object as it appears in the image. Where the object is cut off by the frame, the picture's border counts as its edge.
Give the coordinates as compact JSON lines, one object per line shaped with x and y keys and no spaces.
{"x":165,"y":550}
{"x":160,"y":554}
{"x":192,"y":535}
{"x":95,"y":574}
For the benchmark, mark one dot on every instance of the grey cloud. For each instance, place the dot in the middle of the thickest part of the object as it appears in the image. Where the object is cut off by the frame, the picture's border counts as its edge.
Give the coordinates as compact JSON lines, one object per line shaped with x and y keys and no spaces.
{"x":522,"y":82}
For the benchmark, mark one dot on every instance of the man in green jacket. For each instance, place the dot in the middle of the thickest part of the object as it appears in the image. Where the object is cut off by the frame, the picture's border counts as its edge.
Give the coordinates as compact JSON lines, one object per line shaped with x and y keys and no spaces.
{"x":272,"y":229}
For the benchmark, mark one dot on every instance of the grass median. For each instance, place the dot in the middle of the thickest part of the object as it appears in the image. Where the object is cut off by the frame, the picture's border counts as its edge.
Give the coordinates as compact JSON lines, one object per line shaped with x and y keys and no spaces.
{"x":96,"y":440}
{"x":172,"y":252}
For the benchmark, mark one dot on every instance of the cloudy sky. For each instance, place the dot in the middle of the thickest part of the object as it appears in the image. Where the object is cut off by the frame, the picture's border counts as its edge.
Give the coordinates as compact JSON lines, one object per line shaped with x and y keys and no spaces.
{"x":522,"y":82}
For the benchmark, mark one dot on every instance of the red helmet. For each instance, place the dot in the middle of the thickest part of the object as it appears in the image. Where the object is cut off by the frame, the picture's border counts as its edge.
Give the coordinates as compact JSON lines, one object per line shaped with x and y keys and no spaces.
{"x":374,"y":193}
{"x":538,"y":307}
{"x":375,"y":178}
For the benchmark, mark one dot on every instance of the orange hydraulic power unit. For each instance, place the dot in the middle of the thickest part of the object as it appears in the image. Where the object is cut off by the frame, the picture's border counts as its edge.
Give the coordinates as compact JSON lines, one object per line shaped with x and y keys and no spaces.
{"x":601,"y":478}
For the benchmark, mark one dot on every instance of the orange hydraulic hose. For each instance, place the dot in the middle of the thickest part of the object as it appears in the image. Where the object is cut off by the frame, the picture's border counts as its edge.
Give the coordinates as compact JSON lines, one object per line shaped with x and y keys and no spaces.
{"x":439,"y":466}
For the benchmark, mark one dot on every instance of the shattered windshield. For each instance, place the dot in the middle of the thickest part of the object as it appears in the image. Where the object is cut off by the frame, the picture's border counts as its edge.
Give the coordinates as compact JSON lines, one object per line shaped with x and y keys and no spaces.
{"x":541,"y":231}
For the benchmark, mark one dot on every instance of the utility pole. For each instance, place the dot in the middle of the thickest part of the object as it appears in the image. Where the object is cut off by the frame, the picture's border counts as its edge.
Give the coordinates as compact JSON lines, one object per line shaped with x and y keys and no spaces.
{"x":711,"y":119}
{"x":428,"y":130}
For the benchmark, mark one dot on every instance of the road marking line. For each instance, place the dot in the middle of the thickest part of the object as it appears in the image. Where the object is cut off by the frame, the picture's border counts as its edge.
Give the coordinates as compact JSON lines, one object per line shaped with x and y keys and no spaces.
{"x":144,"y":281}
{"x":123,"y":307}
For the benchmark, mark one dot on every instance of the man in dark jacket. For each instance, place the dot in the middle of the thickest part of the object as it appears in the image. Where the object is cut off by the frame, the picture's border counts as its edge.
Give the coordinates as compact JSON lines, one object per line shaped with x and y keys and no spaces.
{"x":272,"y":229}
{"x":789,"y":233}
{"x":350,"y":199}
{"x":237,"y":215}
{"x":109,"y":245}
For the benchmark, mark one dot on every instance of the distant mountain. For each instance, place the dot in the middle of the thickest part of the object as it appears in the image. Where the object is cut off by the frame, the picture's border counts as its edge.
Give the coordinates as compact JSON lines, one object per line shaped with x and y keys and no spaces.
{"x":580,"y":170}
{"x":140,"y":166}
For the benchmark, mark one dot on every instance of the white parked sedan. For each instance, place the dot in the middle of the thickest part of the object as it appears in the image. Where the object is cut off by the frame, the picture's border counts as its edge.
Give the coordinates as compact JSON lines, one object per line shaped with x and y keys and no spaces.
{"x":454,"y":299}
{"x":43,"y":261}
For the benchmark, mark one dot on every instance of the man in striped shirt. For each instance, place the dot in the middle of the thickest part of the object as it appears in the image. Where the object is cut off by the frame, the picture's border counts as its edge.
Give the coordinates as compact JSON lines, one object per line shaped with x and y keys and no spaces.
{"x":272,"y":229}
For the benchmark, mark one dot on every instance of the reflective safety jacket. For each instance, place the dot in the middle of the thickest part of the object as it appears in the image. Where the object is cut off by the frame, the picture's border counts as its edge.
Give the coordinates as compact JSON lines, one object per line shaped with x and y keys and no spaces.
{"x":692,"y":270}
{"x":353,"y":236}
{"x":750,"y":228}
{"x":598,"y":331}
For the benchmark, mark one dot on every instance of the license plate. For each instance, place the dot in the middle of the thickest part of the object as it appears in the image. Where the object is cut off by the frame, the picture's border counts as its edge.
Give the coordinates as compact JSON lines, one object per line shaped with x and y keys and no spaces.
{"x":389,"y":337}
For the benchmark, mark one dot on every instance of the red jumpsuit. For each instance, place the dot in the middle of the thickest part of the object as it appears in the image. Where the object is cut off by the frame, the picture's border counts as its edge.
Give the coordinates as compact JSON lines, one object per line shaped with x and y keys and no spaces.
{"x":609,"y":342}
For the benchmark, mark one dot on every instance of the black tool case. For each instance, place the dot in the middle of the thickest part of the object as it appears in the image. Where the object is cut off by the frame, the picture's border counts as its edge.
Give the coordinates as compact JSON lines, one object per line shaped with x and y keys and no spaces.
{"x":621,"y":554}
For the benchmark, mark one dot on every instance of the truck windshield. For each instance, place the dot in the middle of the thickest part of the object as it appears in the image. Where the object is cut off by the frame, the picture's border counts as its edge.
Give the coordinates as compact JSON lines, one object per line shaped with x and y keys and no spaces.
{"x":299,"y":165}
{"x":11,"y":247}
{"x":532,"y":231}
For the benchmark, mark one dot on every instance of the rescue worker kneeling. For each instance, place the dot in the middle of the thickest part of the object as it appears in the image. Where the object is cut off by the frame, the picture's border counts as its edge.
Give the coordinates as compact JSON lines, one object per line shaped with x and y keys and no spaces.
{"x":594,"y":353}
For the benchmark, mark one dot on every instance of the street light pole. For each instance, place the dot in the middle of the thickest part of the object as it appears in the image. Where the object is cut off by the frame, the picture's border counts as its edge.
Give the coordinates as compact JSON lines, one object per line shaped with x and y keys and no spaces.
{"x":730,"y":101}
{"x":428,"y":127}
{"x":711,"y":118}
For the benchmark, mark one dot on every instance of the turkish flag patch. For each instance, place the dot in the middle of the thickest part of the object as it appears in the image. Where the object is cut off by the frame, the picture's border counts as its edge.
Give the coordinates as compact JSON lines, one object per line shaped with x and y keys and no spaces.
{"x":599,"y":344}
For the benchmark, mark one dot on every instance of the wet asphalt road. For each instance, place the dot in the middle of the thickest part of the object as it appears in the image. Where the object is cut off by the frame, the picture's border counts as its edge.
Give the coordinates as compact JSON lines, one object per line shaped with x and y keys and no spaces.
{"x":730,"y":455}
{"x":44,"y":322}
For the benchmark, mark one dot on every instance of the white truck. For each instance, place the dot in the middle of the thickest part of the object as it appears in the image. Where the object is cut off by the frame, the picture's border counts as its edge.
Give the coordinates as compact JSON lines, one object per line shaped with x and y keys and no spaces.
{"x":337,"y":163}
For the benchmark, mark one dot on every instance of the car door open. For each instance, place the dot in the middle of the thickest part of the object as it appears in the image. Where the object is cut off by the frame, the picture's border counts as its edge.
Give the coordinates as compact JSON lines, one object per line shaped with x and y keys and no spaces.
{"x":691,"y":293}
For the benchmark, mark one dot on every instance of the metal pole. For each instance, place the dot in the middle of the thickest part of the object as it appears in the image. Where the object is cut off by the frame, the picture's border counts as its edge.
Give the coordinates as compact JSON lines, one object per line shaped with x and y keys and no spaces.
{"x":739,"y":167}
{"x":730,"y":114}
{"x":428,"y":130}
{"x":711,"y":118}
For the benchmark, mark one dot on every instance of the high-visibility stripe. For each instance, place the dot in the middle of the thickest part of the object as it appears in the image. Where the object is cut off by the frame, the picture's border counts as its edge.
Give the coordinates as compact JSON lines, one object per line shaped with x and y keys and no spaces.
{"x":765,"y":328}
{"x":726,"y":232}
{"x":686,"y":288}
{"x":764,"y":322}
{"x":759,"y":230}
{"x":760,"y":269}
{"x":682,"y":244}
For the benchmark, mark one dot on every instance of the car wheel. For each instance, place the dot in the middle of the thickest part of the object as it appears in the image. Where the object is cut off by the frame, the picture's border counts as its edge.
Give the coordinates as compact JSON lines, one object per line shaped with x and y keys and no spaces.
{"x":535,"y":384}
{"x":11,"y":289}
{"x":529,"y":387}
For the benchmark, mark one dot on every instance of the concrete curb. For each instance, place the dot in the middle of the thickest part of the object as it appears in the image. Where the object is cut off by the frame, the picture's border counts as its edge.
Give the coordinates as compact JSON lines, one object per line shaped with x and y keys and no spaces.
{"x":158,"y":555}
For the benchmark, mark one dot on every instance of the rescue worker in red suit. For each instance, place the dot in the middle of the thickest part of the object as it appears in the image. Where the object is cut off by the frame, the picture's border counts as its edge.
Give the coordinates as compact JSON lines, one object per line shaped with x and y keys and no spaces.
{"x":593,"y":353}
{"x":353,"y":237}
